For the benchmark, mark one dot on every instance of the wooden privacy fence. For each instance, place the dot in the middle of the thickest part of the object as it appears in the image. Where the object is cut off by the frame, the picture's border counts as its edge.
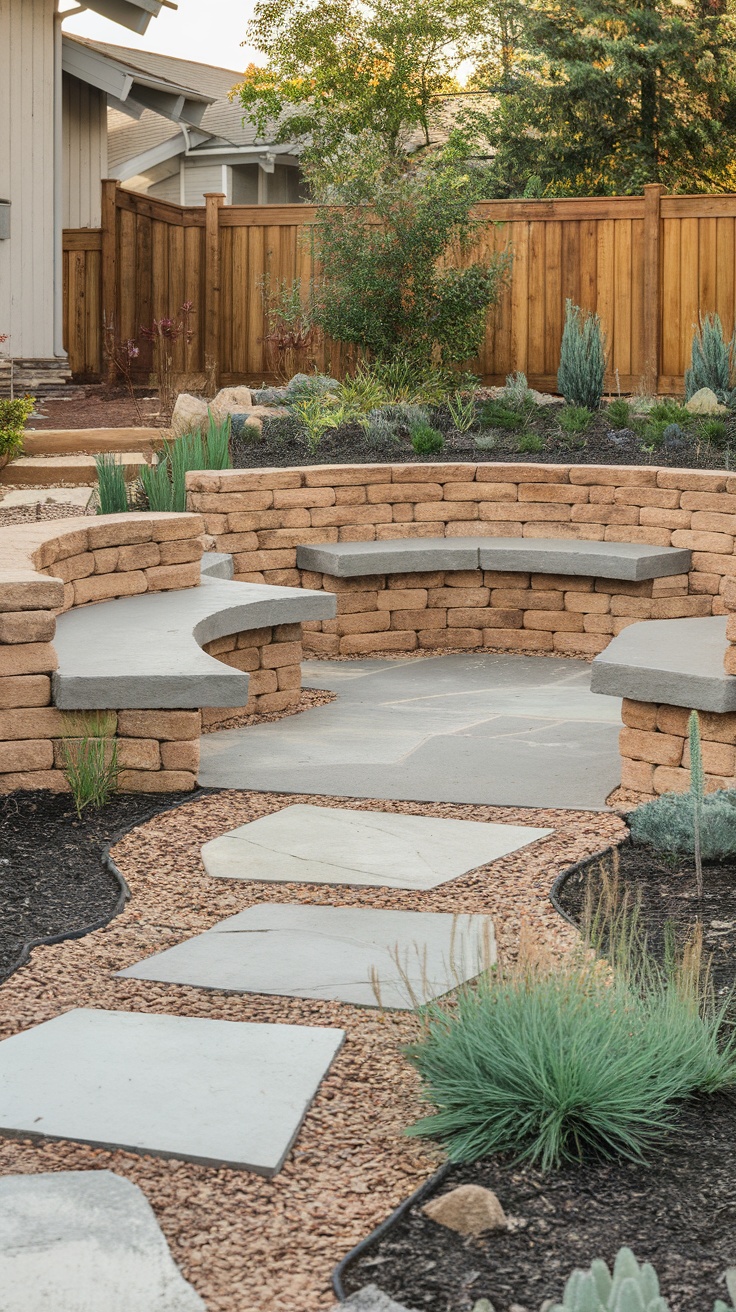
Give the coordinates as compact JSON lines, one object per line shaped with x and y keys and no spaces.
{"x":649,"y":265}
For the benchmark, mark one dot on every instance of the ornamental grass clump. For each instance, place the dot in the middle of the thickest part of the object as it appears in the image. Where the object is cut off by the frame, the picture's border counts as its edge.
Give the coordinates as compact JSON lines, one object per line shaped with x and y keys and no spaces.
{"x":561,"y":1061}
{"x":112,"y":488}
{"x":582,"y":358}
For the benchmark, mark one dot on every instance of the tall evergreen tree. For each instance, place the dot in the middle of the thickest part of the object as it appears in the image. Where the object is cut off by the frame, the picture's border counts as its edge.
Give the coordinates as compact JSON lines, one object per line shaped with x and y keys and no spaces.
{"x":606,"y":95}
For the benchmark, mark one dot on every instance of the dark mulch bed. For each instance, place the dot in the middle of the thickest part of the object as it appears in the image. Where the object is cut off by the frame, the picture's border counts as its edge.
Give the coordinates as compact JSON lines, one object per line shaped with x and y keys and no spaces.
{"x":678,"y":1211}
{"x":53,"y":879}
{"x":282,"y":445}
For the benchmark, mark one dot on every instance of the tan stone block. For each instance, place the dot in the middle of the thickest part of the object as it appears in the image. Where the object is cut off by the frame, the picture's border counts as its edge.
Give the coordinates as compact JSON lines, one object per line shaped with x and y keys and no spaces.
{"x":403,"y":598}
{"x":588,"y":644}
{"x":729,"y":661}
{"x":690,"y":480}
{"x":322,"y":644}
{"x":466,"y":639}
{"x":112,"y":531}
{"x":181,"y":551}
{"x":156,"y":781}
{"x":289,"y":537}
{"x":718,"y":758}
{"x":238,"y":543}
{"x":51,"y":781}
{"x":639,"y":607}
{"x":593,"y":603}
{"x":311,"y":580}
{"x":143,"y":555}
{"x":597,"y":514}
{"x":281,"y":653}
{"x":255,"y":520}
{"x":654,"y":537}
{"x":641,"y":715}
{"x":502,"y":619}
{"x":719,"y":502}
{"x":598,"y":623}
{"x":246,"y":561}
{"x":527,"y":599}
{"x":394,"y":640}
{"x":251,"y":576}
{"x":666,"y":608}
{"x":350,"y":515}
{"x":522,"y":473}
{"x":287,"y":632}
{"x":557,"y":621}
{"x":463,"y":578}
{"x":622,"y":588}
{"x":249,"y":503}
{"x":445,"y":597}
{"x":659,"y":748}
{"x":262,"y":681}
{"x":26,"y":754}
{"x":27,"y":626}
{"x":469,"y":617}
{"x":285,"y":700}
{"x":667,"y":780}
{"x":712,"y":521}
{"x":282,"y":578}
{"x":289,"y":677}
{"x":442,"y":511}
{"x":622,"y":622}
{"x":390,"y":532}
{"x":605,"y":496}
{"x":638,"y":776}
{"x":215,"y":524}
{"x":168,"y":528}
{"x":617,"y":475}
{"x":303,"y":497}
{"x":717,"y":606}
{"x":549,"y":493}
{"x":435,"y":473}
{"x":484,"y":491}
{"x":714,"y":564}
{"x":350,"y":496}
{"x":218,"y":646}
{"x":25,"y":590}
{"x":139,"y":753}
{"x":485,"y":527}
{"x":676,"y":584}
{"x":518,"y":639}
{"x":356,"y":533}
{"x":505,"y":579}
{"x":388,"y":493}
{"x":576,"y":532}
{"x":715,"y":543}
{"x":25,"y":690}
{"x":375,"y":621}
{"x":181,"y":755}
{"x":562,"y":583}
{"x":106,"y":559}
{"x":100,"y":587}
{"x":169,"y":578}
{"x":420,"y":579}
{"x":403,"y":512}
{"x":365,"y":583}
{"x":168,"y":725}
{"x":728,"y":592}
{"x":245,"y":660}
{"x":27,"y":658}
{"x":418,"y":619}
{"x":229,"y":481}
{"x":655,"y":518}
{"x":75,"y":567}
{"x":356,"y":603}
{"x":31,"y":722}
{"x":543,"y":512}
{"x":715,"y":727}
{"x":664,"y":498}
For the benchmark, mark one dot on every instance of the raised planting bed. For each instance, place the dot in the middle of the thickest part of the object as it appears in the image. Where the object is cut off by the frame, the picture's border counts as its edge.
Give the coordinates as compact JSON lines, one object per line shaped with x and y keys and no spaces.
{"x":678,"y":1211}
{"x":56,"y":879}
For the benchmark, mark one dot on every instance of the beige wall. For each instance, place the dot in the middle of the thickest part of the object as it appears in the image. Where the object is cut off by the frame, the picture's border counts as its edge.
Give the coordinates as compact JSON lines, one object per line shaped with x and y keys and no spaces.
{"x":85,"y":152}
{"x":26,"y":175}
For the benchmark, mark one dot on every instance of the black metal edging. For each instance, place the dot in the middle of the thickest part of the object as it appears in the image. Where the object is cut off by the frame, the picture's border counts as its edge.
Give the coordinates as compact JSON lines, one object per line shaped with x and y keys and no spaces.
{"x":381,"y":1229}
{"x":582,"y":864}
{"x":123,"y":895}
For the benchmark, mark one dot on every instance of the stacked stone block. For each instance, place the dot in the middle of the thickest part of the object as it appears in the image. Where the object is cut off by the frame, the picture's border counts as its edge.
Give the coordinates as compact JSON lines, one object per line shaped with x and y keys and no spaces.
{"x":272,"y":658}
{"x":655,"y":755}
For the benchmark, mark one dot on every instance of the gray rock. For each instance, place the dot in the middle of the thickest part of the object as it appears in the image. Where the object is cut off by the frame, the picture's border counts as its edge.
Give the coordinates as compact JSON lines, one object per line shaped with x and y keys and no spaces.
{"x":316,"y":384}
{"x":79,"y":1241}
{"x":371,"y":1299}
{"x":269,"y":395}
{"x":620,"y":436}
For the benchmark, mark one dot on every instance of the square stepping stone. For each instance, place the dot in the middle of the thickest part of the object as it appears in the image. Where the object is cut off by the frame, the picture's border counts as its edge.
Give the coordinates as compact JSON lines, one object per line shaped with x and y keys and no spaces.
{"x":330,"y":845}
{"x":219,"y":1092}
{"x":370,"y":957}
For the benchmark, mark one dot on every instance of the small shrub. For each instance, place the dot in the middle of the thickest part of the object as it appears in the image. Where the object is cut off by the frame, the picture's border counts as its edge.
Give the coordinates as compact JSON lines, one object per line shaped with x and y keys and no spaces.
{"x":363,"y":392}
{"x":462,"y":411}
{"x":112,"y":488}
{"x":582,"y":358}
{"x":668,"y":824}
{"x":670,"y":412}
{"x":90,"y":754}
{"x":13,"y":416}
{"x":712,"y":360}
{"x":714,"y":431}
{"x":425,"y":440}
{"x":486,"y":441}
{"x":618,"y":413}
{"x":317,"y":415}
{"x":631,"y":1288}
{"x":555,"y":1061}
{"x":517,"y":393}
{"x":496,"y":414}
{"x":530,"y":443}
{"x":575,"y":419}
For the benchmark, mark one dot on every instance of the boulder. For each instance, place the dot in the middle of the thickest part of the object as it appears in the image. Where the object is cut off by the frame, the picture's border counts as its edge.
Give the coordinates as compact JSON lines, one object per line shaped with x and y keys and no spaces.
{"x":269,"y":395}
{"x":231,"y":401}
{"x":190,"y":415}
{"x":470,"y":1210}
{"x":705,"y":402}
{"x":76,"y":1241}
{"x":247,"y":426}
{"x":371,"y":1299}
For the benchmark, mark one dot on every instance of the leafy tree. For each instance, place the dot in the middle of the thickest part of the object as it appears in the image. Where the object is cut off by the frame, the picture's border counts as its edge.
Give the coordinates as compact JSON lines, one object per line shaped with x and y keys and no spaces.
{"x":395,"y":254}
{"x":342,"y":71}
{"x":606,"y":95}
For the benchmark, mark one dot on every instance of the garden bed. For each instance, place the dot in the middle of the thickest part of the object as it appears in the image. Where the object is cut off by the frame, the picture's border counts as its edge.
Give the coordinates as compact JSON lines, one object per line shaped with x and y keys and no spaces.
{"x":55,"y":880}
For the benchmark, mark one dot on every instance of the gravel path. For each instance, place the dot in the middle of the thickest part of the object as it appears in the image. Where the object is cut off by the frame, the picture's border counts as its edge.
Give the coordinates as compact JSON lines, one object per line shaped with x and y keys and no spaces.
{"x":249,"y":1244}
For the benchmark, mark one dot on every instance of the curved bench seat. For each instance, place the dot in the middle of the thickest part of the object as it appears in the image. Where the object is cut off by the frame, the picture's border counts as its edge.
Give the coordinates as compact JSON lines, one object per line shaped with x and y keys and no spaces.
{"x":146,"y":651}
{"x":671,"y":662}
{"x":630,"y":561}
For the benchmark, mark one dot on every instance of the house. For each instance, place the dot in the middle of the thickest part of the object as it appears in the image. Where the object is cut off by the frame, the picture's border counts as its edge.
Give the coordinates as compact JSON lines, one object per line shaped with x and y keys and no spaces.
{"x":54,"y":95}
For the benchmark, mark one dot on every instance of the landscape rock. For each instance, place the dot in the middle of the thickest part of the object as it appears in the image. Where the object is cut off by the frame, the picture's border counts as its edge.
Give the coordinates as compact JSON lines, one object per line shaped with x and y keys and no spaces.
{"x":231,"y":401}
{"x":470,"y":1210}
{"x":705,"y":402}
{"x":246,"y":425}
{"x":620,"y":436}
{"x":371,"y":1299}
{"x":268,"y":395}
{"x":78,"y":1241}
{"x":190,"y":415}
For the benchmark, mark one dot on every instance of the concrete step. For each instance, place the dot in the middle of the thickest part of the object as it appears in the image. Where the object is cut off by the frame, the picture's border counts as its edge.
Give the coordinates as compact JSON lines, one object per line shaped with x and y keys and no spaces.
{"x":91,"y":441}
{"x":59,"y":471}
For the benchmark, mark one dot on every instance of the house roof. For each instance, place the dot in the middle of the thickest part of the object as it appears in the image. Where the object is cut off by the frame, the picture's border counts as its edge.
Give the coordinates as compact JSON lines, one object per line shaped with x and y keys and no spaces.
{"x":133,"y":14}
{"x":131,"y":83}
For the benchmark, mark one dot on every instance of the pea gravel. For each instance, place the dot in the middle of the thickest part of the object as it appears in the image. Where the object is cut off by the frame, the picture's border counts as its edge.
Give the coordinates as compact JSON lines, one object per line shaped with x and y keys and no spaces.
{"x":248,"y":1244}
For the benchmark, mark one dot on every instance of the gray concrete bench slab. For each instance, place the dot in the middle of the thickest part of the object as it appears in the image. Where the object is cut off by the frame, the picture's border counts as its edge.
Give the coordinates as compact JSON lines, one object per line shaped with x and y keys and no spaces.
{"x":146,"y":651}
{"x":217,"y":565}
{"x":631,"y":561}
{"x":674,"y":662}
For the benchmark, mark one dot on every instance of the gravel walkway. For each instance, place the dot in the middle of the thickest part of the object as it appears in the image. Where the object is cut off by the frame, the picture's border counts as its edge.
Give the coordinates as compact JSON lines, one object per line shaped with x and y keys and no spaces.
{"x":249,"y":1244}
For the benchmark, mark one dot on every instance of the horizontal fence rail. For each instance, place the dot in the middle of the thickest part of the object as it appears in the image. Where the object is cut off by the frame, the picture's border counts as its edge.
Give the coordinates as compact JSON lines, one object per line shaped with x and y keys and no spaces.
{"x":648,"y":265}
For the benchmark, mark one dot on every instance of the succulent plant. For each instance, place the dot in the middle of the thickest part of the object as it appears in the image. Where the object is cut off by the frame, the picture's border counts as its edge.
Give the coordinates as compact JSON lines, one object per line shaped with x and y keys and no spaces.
{"x":633,"y":1287}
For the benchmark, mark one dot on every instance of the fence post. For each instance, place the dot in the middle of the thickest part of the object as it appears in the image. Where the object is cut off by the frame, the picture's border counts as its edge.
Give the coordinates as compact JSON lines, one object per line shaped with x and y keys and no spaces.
{"x":108,"y":269}
{"x":653,"y":192}
{"x":213,"y":200}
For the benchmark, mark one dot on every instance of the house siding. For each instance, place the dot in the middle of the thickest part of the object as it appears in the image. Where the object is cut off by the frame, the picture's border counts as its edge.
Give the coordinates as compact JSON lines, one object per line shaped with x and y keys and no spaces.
{"x":27,"y":176}
{"x":85,"y":152}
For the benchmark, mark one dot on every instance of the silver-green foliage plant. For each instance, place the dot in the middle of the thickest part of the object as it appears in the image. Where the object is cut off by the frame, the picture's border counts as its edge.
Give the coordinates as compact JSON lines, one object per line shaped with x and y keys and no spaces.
{"x":582,"y":358}
{"x":712,"y":360}
{"x":517,"y":393}
{"x":632,"y":1287}
{"x":112,"y":488}
{"x":696,"y":823}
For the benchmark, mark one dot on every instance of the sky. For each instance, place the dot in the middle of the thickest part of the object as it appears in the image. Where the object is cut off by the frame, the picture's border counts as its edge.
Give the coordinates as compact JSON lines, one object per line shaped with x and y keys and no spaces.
{"x":209,"y":31}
